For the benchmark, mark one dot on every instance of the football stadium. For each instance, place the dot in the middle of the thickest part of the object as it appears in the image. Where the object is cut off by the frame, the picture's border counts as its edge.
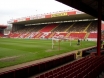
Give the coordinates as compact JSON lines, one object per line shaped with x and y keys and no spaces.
{"x":66,"y":44}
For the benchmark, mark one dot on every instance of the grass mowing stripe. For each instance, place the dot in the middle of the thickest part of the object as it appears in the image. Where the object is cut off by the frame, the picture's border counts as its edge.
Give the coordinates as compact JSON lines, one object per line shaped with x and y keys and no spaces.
{"x":29,"y":50}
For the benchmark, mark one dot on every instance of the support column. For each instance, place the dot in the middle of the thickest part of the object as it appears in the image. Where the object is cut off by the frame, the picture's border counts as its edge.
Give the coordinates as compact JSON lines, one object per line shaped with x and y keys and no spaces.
{"x":99,"y":27}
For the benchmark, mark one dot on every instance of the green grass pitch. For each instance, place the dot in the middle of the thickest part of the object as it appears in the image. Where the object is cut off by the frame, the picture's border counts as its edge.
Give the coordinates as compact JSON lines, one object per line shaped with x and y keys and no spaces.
{"x":24,"y":50}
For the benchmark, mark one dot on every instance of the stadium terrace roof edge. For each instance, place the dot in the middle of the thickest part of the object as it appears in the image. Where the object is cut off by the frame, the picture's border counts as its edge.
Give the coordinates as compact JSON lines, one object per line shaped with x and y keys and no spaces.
{"x":54,"y":19}
{"x":3,"y":26}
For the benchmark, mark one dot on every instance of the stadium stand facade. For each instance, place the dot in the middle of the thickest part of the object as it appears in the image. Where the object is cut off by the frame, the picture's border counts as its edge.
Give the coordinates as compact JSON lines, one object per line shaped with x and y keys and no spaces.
{"x":76,"y":30}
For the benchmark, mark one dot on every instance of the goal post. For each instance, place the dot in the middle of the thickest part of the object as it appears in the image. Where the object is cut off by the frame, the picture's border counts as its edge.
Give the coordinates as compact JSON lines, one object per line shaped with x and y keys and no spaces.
{"x":59,"y":39}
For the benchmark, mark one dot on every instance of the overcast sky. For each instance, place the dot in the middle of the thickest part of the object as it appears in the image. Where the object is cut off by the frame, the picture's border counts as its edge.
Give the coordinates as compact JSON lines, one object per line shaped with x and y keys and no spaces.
{"x":12,"y":9}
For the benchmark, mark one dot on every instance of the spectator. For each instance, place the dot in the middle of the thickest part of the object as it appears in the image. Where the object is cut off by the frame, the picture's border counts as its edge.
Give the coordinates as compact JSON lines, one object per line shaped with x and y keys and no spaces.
{"x":78,"y":42}
{"x":101,"y":42}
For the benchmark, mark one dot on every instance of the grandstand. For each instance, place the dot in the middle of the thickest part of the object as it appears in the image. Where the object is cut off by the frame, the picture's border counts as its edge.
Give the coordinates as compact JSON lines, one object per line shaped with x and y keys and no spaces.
{"x":65,"y":66}
{"x":2,"y":30}
{"x":76,"y":30}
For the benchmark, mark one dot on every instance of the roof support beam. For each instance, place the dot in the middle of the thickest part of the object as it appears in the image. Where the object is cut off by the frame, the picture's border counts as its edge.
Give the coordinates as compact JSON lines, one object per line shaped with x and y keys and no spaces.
{"x":99,"y":28}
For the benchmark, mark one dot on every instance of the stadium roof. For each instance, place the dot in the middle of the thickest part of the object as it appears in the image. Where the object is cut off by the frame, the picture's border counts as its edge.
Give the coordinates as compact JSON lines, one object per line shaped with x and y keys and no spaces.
{"x":3,"y":26}
{"x":87,"y":6}
{"x":60,"y":18}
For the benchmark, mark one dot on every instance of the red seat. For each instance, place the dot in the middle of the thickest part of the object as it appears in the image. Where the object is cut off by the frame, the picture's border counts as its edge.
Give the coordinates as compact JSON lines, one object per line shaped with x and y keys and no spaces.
{"x":42,"y":76}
